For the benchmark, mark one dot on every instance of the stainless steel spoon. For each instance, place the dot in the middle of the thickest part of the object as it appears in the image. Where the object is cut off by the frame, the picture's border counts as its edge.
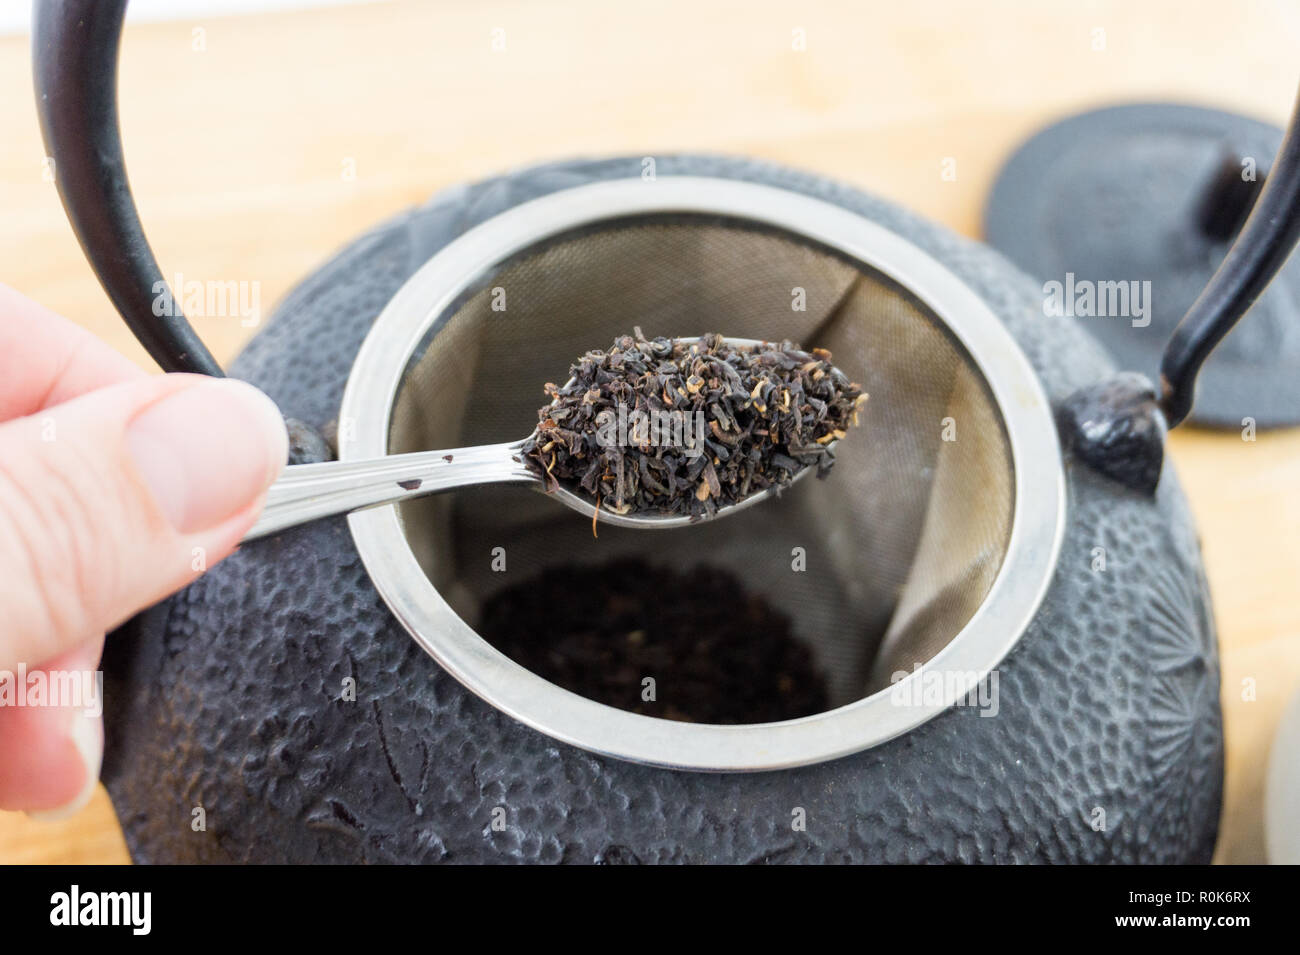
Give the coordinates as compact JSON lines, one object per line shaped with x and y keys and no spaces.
{"x":308,"y":492}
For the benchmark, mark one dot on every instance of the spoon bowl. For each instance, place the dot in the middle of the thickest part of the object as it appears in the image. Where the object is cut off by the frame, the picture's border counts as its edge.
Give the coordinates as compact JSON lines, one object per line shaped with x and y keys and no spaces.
{"x":309,"y":492}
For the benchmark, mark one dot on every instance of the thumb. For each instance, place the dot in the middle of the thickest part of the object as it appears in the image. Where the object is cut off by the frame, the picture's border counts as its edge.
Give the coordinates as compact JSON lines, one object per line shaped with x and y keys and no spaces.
{"x":119,"y":497}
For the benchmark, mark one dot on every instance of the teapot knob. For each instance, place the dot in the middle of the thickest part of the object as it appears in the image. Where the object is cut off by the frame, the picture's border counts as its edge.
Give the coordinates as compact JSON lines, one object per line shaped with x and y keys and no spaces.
{"x":1117,"y":428}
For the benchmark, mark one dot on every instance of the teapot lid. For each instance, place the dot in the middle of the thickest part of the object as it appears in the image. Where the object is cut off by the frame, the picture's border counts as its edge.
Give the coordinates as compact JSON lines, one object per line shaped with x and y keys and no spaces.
{"x":1145,"y":199}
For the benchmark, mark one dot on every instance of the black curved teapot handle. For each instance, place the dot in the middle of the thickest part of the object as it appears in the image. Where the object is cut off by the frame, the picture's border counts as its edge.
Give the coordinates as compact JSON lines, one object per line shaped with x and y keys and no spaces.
{"x":75,"y":47}
{"x":1262,"y":246}
{"x":74,"y":65}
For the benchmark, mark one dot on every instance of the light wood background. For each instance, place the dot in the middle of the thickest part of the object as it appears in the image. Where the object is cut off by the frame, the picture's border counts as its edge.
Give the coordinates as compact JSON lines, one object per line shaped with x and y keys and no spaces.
{"x":239,"y":131}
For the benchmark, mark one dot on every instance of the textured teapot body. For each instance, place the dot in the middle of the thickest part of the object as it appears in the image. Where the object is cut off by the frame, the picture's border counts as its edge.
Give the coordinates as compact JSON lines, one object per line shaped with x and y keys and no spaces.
{"x":280,"y":695}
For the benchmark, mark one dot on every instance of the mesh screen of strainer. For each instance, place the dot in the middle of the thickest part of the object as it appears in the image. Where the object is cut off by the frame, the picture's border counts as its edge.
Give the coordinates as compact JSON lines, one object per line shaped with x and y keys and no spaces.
{"x":902,"y":540}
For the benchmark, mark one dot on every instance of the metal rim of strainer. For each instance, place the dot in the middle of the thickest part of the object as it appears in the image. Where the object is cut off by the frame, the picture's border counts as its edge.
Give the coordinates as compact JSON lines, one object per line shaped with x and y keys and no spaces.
{"x":1038,"y":508}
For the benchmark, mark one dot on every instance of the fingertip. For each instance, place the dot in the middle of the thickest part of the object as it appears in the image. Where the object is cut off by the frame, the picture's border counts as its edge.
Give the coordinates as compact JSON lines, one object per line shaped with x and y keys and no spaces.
{"x":52,"y":735}
{"x":207,"y":450}
{"x":87,"y":738}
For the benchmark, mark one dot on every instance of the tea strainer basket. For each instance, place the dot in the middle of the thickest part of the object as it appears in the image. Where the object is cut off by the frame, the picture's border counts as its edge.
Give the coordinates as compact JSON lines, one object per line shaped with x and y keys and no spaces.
{"x":931,"y":542}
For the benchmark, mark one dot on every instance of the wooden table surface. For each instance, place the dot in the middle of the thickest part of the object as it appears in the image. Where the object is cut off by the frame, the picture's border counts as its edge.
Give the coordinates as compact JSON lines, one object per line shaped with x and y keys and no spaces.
{"x":240,"y":132}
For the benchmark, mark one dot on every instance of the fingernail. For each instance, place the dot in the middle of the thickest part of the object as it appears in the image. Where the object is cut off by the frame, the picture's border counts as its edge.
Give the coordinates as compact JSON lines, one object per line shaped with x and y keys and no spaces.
{"x":207,"y":451}
{"x":87,"y":735}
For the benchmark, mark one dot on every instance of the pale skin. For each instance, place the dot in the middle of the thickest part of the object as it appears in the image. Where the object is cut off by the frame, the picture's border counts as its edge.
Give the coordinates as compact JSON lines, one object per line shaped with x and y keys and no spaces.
{"x":117,"y":488}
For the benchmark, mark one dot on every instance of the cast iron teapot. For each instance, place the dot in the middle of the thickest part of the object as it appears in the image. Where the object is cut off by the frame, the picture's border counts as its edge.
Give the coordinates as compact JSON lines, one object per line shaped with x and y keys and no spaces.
{"x":1008,"y":603}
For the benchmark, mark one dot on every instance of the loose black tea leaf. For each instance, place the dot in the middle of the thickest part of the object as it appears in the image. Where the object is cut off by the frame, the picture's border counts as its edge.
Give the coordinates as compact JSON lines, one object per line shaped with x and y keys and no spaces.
{"x":689,"y":426}
{"x":716,"y":654}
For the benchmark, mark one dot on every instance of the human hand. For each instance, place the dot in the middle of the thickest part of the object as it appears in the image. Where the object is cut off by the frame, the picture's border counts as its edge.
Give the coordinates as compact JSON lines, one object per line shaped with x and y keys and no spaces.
{"x":116,"y":489}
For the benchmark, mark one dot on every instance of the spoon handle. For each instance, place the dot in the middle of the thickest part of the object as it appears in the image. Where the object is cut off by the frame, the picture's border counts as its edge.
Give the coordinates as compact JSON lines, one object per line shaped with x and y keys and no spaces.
{"x":307,"y":492}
